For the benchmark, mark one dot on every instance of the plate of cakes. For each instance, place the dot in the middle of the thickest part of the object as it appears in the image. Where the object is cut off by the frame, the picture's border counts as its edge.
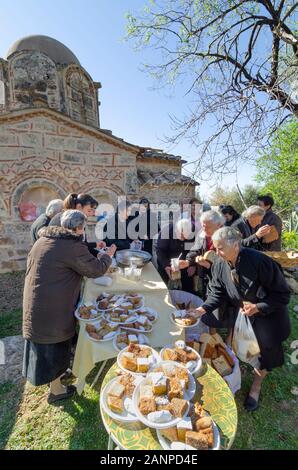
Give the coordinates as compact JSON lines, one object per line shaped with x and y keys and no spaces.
{"x":87,"y":313}
{"x":158,"y":403}
{"x":127,"y":302}
{"x":147,"y":312}
{"x":116,"y":398}
{"x":120,"y":315}
{"x":101,"y":330}
{"x":184,"y":318}
{"x":140,"y":324}
{"x":184,"y":355}
{"x":137,"y":359}
{"x":179,"y":379}
{"x":196,"y":431}
{"x":125,"y":338}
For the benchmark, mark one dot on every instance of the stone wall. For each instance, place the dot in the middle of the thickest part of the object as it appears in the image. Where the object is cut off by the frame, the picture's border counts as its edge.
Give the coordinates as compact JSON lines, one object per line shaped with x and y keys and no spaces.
{"x":38,"y":151}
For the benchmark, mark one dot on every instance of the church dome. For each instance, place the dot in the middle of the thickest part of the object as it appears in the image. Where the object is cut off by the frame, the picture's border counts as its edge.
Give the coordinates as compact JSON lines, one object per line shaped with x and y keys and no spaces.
{"x":54,"y":49}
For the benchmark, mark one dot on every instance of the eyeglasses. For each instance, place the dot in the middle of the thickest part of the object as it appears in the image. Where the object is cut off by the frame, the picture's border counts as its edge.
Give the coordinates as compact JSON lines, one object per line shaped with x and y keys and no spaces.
{"x":235,"y":276}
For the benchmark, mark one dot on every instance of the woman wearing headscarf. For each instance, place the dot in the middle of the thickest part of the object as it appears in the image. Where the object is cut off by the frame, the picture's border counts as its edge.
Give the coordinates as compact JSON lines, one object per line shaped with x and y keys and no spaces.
{"x":56,"y":266}
{"x":254,"y":283}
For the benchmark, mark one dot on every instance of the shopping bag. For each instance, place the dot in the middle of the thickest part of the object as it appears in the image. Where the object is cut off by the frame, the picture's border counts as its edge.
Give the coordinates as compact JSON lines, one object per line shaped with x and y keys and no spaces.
{"x":245,"y":344}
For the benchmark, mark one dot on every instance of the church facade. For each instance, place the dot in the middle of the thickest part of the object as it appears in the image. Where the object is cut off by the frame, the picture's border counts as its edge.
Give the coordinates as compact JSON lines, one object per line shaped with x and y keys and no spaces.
{"x":51,"y":144}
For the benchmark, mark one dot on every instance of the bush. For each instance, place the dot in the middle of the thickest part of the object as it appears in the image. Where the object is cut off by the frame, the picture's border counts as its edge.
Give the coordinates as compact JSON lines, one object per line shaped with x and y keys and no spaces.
{"x":290,"y":240}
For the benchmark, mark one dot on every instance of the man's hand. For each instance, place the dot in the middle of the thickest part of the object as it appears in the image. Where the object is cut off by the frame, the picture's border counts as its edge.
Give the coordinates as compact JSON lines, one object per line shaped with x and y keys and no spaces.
{"x":111,"y":250}
{"x":200,"y":311}
{"x":101,"y":245}
{"x":183,"y":263}
{"x":168,"y":271}
{"x":249,"y":309}
{"x":262,"y":231}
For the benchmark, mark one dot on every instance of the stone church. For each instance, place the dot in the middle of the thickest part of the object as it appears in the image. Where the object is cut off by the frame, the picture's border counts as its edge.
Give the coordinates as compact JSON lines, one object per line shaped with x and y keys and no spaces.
{"x":51,"y":144}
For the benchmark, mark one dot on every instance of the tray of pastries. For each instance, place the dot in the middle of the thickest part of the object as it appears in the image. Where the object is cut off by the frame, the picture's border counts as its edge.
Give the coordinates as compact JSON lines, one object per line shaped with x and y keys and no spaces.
{"x":184,"y":318}
{"x":87,"y":312}
{"x":116,"y":398}
{"x":125,"y":338}
{"x":101,"y":330}
{"x":185,"y":382}
{"x":128,"y":302}
{"x":159,"y":400}
{"x":196,"y":431}
{"x":137,"y":359}
{"x":185,"y":355}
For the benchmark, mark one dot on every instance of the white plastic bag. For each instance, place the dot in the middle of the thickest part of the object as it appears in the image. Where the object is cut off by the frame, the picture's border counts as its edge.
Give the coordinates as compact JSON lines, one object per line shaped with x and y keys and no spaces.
{"x":234,"y":379}
{"x":245,"y":344}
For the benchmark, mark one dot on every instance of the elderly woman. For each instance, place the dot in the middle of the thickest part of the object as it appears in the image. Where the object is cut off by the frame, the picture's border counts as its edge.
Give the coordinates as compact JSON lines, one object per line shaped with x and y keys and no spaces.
{"x":53,"y":208}
{"x":171,"y":244}
{"x":55,"y":269}
{"x":85,"y":204}
{"x":254,"y":283}
{"x":253,"y":217}
{"x":211,"y":221}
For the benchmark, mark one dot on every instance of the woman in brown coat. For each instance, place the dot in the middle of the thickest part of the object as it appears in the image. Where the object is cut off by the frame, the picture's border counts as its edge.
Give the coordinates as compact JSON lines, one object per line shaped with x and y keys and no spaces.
{"x":55,"y":269}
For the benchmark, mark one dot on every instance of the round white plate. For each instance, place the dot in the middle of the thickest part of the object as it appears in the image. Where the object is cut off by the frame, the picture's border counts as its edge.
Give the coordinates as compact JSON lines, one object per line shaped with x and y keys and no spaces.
{"x":131,"y":320}
{"x":87,"y":320}
{"x":166,"y":444}
{"x":192,"y":370}
{"x":119,"y":357}
{"x":143,"y":418}
{"x":152,"y":312}
{"x":135,"y":330}
{"x":181,"y":326}
{"x":142,"y":340}
{"x":126,"y":416}
{"x":188,"y":394}
{"x":97,"y":325}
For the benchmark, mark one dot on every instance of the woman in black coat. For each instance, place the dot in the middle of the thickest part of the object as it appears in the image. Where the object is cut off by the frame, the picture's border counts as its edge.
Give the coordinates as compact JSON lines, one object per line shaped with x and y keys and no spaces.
{"x":253,"y":282}
{"x":233,"y":219}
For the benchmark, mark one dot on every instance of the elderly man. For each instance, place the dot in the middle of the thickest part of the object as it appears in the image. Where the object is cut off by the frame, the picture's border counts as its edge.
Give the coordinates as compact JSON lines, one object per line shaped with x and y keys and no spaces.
{"x":211,"y":221}
{"x":54,"y":207}
{"x":254,"y":283}
{"x":56,"y":266}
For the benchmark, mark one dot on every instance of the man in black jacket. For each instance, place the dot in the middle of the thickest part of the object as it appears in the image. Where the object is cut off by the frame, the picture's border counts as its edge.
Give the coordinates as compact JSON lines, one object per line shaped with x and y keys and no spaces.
{"x":270,"y":218}
{"x":254,"y":283}
{"x":54,"y":207}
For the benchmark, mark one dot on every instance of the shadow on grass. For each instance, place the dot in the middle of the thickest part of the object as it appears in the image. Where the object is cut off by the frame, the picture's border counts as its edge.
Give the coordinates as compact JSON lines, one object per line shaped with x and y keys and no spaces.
{"x":11,"y":395}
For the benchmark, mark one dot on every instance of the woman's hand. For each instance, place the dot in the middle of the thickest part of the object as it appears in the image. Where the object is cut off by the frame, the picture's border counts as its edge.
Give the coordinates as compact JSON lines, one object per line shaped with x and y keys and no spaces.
{"x":200,"y":311}
{"x":101,"y":245}
{"x":111,"y":250}
{"x":183,"y":263}
{"x":249,"y":309}
{"x":262,"y":231}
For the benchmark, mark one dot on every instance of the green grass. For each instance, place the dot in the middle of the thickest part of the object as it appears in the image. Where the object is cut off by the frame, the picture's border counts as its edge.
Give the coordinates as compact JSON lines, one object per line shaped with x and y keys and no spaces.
{"x":11,"y":323}
{"x":28,"y":422}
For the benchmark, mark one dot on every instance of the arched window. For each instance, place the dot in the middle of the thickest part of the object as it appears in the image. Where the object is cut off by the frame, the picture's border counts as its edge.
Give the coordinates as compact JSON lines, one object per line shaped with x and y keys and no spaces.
{"x":2,"y":94}
{"x":81,"y":97}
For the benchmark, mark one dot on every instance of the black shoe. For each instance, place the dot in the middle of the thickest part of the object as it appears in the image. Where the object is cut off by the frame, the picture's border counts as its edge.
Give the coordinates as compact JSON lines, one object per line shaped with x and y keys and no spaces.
{"x":70,"y":391}
{"x":250,"y":404}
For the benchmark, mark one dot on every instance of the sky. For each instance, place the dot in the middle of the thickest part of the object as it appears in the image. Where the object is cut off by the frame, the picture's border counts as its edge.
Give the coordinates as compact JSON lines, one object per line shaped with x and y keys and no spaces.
{"x":130,"y":104}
